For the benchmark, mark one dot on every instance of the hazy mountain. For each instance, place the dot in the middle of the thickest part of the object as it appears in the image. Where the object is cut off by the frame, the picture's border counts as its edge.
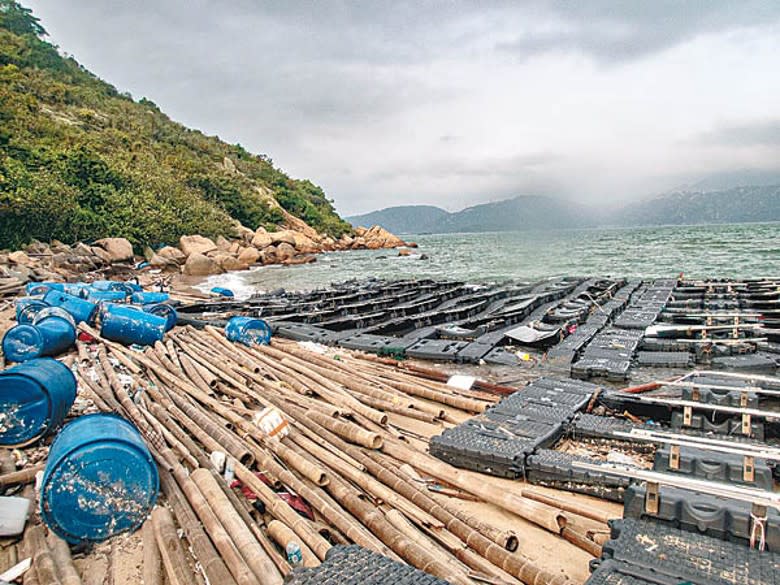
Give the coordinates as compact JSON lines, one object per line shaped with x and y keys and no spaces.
{"x":735,"y":205}
{"x":403,"y":219}
{"x":520,"y":213}
{"x":730,"y":179}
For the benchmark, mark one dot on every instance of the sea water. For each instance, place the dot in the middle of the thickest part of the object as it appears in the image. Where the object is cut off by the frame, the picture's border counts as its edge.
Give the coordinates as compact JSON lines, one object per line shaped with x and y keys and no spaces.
{"x":734,"y":250}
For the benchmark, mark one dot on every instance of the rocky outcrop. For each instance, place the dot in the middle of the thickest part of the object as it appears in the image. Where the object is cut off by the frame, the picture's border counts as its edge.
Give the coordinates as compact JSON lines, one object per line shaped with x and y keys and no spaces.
{"x":261,"y":239}
{"x":283,"y":237}
{"x":198,"y":264}
{"x":117,"y":249}
{"x":196,"y":255}
{"x":173,"y":254}
{"x":378,"y":237}
{"x":196,"y":245}
{"x":249,"y":255}
{"x":285,"y":251}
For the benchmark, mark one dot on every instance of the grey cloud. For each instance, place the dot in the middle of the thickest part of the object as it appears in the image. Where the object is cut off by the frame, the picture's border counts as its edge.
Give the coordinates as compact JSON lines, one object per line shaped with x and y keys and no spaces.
{"x":757,"y":133}
{"x":388,"y":102}
{"x":621,"y":31}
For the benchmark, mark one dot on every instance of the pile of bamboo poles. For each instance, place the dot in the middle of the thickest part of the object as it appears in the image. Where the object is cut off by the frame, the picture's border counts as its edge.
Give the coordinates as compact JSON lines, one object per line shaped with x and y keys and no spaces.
{"x":352,"y":454}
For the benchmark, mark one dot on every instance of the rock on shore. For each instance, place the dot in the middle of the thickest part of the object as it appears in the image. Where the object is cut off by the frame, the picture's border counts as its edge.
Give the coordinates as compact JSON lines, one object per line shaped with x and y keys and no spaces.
{"x":195,"y":255}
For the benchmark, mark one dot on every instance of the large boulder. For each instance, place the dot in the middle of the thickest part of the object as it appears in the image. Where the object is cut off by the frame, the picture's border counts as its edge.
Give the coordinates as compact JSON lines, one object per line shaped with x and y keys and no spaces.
{"x":118,"y":249}
{"x":100,"y":253}
{"x":172,"y":254}
{"x":229,"y":263}
{"x":283,"y":236}
{"x":305,"y":244}
{"x":268,"y":255}
{"x":157,"y":261}
{"x":199,"y":265}
{"x":249,"y":256}
{"x":262,"y":239}
{"x":223,"y":244}
{"x":196,"y":245}
{"x":284,"y":251}
{"x":242,"y":232}
{"x":81,"y":249}
{"x":378,"y":237}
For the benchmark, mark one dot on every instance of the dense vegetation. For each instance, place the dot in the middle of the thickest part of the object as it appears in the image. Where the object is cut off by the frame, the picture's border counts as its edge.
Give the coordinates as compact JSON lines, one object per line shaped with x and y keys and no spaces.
{"x":79,"y":160}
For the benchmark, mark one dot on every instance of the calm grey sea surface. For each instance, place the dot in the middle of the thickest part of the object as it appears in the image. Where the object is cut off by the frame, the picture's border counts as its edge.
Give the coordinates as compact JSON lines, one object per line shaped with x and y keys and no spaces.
{"x":739,"y":250}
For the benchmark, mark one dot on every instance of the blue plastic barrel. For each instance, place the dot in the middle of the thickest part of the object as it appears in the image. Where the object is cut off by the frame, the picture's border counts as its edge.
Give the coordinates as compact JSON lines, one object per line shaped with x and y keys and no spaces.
{"x":35,"y":397}
{"x":130,"y":325}
{"x":77,"y":289}
{"x":80,"y":309}
{"x":111,"y":296}
{"x":27,"y":308}
{"x":166,"y":311}
{"x":147,"y":298}
{"x":52,"y":331}
{"x":100,"y":480}
{"x":248,"y":330}
{"x":223,"y":292}
{"x":110,"y":285}
{"x":41,"y":288}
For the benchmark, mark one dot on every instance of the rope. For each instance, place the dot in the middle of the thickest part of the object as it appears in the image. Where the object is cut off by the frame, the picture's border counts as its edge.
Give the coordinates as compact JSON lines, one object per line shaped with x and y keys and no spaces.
{"x":758,"y":530}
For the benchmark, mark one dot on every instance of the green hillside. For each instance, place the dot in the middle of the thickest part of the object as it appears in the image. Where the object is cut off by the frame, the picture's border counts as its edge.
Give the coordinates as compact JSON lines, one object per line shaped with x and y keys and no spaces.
{"x":79,"y":160}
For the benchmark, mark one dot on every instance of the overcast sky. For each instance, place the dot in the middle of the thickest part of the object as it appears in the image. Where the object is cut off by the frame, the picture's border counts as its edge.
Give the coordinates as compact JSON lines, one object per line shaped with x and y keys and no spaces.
{"x":454,"y":103}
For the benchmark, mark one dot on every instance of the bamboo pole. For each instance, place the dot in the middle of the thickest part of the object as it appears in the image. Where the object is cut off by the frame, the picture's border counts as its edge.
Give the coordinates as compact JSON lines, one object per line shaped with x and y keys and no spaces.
{"x":348,"y":431}
{"x":254,"y":555}
{"x":170,"y":548}
{"x":213,"y":566}
{"x":152,"y":570}
{"x":60,"y":552}
{"x":43,"y":561}
{"x":281,"y":511}
{"x":22,"y":476}
{"x":283,"y":536}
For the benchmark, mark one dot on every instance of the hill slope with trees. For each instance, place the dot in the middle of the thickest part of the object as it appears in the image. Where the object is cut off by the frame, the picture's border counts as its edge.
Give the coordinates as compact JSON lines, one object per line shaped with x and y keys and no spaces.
{"x":79,"y":160}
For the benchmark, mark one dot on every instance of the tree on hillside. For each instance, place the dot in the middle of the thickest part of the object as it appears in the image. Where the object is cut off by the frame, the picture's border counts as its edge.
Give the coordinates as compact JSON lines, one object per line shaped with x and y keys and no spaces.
{"x":19,"y":20}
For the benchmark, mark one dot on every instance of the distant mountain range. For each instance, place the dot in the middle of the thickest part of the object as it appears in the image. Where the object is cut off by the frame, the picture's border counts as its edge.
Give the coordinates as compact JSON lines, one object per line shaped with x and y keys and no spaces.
{"x":734,"y":205}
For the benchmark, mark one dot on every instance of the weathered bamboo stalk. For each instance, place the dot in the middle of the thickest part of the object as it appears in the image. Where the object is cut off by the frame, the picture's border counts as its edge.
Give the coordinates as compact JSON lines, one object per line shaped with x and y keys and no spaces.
{"x":234,"y":561}
{"x":283,"y":512}
{"x":22,"y":476}
{"x":176,"y":567}
{"x":366,"y":482}
{"x":334,"y":393}
{"x":254,"y":555}
{"x":515,"y":564}
{"x":584,"y":511}
{"x":349,"y":431}
{"x":213,"y":565}
{"x":242,"y":507}
{"x":60,"y":552}
{"x":43,"y":561}
{"x":152,"y":570}
{"x":283,"y":536}
{"x":194,"y":374}
{"x":403,"y":525}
